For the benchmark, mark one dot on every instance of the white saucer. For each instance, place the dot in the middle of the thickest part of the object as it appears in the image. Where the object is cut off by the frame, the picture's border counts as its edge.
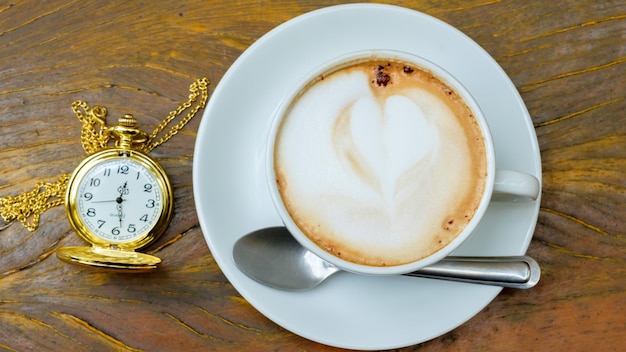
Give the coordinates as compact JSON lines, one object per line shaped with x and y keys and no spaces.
{"x":232,"y":199}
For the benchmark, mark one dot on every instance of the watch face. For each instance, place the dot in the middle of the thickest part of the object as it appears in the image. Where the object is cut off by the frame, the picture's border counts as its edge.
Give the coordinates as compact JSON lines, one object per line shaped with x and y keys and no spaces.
{"x":119,"y":200}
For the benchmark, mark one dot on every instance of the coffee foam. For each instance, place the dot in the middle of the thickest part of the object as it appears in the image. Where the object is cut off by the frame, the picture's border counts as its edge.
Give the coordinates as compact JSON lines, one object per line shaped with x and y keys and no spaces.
{"x":376,"y":172}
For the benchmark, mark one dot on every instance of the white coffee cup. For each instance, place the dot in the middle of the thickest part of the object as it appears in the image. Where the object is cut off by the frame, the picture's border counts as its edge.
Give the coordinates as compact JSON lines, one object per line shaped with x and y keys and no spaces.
{"x":364,"y":203}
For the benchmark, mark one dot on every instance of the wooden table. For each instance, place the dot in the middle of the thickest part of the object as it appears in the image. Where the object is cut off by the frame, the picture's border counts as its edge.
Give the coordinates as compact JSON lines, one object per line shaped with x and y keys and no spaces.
{"x":567,"y":59}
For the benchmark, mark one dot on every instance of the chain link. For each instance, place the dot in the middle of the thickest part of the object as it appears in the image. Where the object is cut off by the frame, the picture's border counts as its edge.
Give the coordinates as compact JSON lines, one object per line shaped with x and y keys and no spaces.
{"x":28,"y":206}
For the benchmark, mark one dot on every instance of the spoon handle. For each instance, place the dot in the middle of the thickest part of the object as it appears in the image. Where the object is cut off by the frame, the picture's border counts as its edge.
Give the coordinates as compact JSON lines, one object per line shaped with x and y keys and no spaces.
{"x":515,"y":272}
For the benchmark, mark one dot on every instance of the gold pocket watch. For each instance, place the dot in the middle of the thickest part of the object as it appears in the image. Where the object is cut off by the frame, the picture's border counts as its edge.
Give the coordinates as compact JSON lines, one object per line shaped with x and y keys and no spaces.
{"x":118,"y":200}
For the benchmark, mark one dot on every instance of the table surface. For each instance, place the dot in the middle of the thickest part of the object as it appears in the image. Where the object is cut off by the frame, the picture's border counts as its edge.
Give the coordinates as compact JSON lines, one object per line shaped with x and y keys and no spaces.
{"x":566,"y":58}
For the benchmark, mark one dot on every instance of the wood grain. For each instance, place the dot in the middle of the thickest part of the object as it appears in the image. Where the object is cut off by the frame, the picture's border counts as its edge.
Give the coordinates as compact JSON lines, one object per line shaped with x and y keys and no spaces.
{"x":567,"y":59}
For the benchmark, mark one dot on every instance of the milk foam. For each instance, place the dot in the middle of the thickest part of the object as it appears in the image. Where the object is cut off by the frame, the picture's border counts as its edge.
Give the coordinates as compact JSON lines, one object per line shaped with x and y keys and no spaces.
{"x":379,"y":175}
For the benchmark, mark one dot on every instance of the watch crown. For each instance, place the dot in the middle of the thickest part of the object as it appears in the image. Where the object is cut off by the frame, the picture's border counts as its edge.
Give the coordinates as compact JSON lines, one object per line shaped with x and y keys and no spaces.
{"x":127,"y":133}
{"x":127,"y":120}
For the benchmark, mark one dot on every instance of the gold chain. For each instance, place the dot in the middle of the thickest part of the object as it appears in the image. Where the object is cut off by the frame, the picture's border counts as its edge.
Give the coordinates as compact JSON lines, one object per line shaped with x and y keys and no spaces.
{"x":92,"y":140}
{"x":197,"y":88}
{"x":28,"y":206}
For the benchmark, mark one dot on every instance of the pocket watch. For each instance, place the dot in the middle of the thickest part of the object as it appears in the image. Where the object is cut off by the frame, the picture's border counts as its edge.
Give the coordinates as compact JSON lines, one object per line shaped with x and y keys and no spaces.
{"x":119,"y":200}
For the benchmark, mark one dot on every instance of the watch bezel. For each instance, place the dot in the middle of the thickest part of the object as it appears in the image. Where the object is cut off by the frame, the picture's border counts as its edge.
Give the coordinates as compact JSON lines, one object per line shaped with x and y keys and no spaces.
{"x":72,"y":194}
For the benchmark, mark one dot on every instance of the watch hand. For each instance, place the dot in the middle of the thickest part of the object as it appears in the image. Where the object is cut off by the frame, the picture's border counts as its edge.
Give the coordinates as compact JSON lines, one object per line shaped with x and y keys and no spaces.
{"x":120,"y":213}
{"x":123,"y":190}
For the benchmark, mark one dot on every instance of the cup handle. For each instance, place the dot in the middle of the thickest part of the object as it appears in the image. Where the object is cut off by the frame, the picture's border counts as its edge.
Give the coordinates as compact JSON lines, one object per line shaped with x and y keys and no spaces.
{"x":516,"y":183}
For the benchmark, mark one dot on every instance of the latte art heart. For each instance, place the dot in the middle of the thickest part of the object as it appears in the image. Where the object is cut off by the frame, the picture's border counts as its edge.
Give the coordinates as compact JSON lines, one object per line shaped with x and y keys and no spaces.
{"x":384,"y":140}
{"x":379,"y":164}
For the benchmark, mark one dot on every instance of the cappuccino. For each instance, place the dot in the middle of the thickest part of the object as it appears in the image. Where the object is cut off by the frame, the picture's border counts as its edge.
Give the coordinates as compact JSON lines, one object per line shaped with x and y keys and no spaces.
{"x":380,"y":162}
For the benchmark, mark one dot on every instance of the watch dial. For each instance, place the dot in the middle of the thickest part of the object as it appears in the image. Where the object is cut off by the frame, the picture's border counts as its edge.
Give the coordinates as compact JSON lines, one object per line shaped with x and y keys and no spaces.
{"x":119,"y":200}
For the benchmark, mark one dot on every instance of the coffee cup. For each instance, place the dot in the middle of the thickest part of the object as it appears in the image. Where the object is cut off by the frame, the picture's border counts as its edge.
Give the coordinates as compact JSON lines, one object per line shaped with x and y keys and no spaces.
{"x":381,"y":162}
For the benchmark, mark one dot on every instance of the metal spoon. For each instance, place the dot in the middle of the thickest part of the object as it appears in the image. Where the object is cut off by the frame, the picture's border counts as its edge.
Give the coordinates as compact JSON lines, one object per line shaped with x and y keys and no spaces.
{"x":274,"y":258}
